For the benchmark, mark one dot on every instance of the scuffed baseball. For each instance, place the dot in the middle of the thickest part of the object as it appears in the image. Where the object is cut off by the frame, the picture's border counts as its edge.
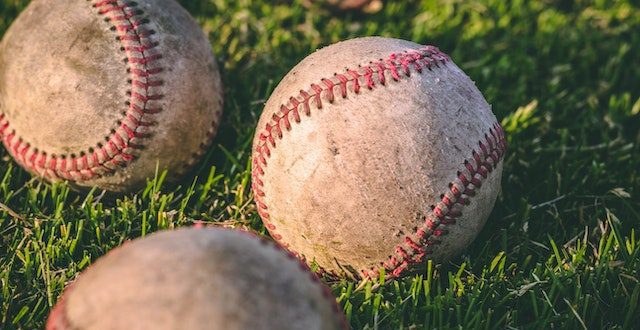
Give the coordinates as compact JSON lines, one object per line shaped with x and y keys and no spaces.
{"x":367,"y":6}
{"x":367,"y":154}
{"x":101,"y":93}
{"x":197,"y":279}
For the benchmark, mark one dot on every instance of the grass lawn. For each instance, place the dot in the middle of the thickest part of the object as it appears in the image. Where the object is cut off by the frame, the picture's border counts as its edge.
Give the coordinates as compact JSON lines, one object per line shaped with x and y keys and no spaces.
{"x":561,"y":248}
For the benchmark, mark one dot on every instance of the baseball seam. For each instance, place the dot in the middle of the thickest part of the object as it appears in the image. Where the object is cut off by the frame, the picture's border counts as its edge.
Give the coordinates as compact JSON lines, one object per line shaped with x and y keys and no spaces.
{"x":118,"y":148}
{"x":398,"y":66}
{"x":413,"y":250}
{"x":326,"y":291}
{"x":58,"y":319}
{"x":58,"y":315}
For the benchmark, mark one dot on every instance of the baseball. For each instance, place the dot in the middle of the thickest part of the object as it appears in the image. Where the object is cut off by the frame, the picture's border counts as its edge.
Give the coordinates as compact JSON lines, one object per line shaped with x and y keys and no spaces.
{"x":197,"y":279}
{"x":367,"y":6}
{"x":104,"y":92}
{"x":376,"y":153}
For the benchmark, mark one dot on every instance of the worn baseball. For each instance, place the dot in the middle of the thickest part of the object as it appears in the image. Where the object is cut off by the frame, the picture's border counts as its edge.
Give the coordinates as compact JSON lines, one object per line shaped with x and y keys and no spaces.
{"x":103,"y":93}
{"x":376,"y":153}
{"x":197,"y":279}
{"x":367,"y":6}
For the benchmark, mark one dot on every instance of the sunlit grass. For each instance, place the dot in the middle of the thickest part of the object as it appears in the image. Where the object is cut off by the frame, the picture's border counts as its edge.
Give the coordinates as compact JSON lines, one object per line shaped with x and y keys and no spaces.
{"x":561,"y":247}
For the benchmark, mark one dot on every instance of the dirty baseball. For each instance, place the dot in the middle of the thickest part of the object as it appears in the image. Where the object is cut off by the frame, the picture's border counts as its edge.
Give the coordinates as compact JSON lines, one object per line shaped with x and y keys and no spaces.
{"x":368,"y":6}
{"x":376,"y":153}
{"x":104,"y":93}
{"x":207,"y":278}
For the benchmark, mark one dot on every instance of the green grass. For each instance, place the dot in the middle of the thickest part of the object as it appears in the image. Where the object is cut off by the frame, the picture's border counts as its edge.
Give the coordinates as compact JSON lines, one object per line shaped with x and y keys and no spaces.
{"x":562,"y":247}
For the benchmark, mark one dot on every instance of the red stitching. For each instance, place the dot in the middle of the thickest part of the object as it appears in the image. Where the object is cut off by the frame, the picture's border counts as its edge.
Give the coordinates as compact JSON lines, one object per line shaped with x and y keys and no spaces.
{"x":399,"y":66}
{"x":326,"y":291}
{"x":116,"y":150}
{"x":445,"y":212}
{"x":58,"y":314}
{"x":351,"y":80}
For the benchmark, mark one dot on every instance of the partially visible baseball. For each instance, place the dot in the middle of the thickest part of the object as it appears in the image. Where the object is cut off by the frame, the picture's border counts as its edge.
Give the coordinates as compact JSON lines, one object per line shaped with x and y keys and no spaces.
{"x":376,"y":153}
{"x":101,"y":93}
{"x":367,"y":6}
{"x":197,"y":279}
